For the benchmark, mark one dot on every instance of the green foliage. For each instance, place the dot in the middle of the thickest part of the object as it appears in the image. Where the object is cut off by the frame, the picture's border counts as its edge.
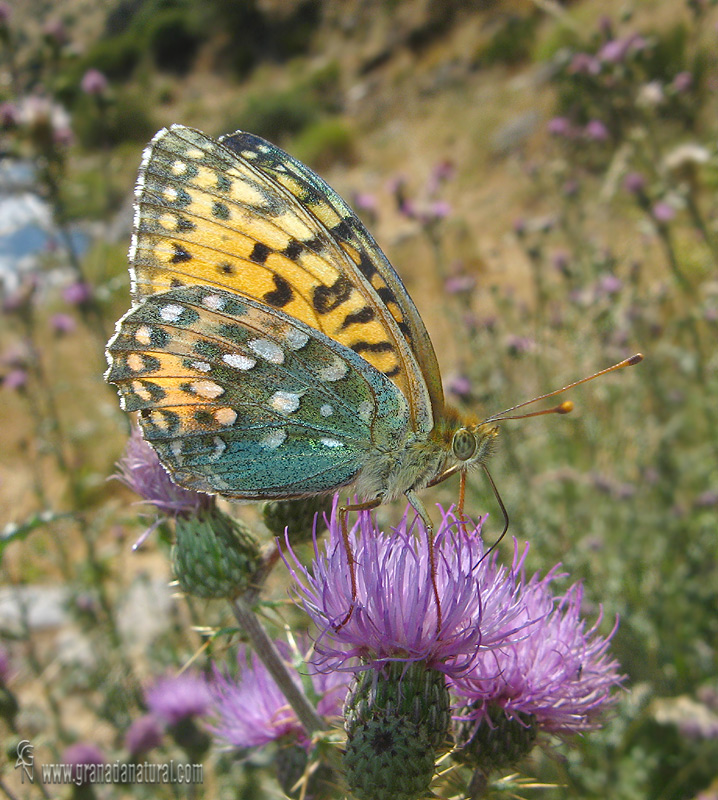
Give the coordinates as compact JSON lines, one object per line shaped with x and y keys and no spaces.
{"x":124,"y":117}
{"x":173,"y":36}
{"x":511,"y":44}
{"x":325,"y":143}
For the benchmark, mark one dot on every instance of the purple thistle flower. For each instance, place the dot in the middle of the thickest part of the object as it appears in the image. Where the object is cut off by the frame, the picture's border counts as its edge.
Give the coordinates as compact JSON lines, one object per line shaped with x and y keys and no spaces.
{"x":682,"y":82}
{"x":608,"y":285}
{"x":15,"y":380}
{"x":9,"y":115}
{"x":175,"y":698}
{"x":62,"y":323}
{"x":596,"y":131}
{"x":560,"y":126}
{"x":143,"y":735}
{"x":457,"y":284}
{"x":459,"y":385}
{"x":634,"y":183}
{"x":76,"y":294}
{"x":140,"y":470}
{"x":250,"y":710}
{"x":5,"y":668}
{"x":442,"y":172}
{"x":558,"y":672}
{"x":663,"y":212}
{"x":518,"y":345}
{"x":82,"y":755}
{"x":5,"y":13}
{"x":55,"y":31}
{"x":394,"y":615}
{"x":94,"y":83}
{"x":584,"y":64}
{"x":363,"y":201}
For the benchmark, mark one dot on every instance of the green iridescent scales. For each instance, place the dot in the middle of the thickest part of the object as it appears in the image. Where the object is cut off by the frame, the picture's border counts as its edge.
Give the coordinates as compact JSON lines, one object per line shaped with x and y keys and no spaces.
{"x":255,"y":403}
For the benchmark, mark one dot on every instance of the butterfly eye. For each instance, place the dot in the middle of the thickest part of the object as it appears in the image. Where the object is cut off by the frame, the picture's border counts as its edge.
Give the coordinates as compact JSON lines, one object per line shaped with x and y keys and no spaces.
{"x":464,"y":444}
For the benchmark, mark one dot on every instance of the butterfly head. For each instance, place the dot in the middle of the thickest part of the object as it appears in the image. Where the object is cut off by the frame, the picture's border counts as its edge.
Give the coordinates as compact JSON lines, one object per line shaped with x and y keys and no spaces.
{"x":472,"y":443}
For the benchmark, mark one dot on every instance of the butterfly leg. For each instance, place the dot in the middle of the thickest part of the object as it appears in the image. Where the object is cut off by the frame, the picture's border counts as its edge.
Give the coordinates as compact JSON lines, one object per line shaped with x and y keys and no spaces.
{"x":343,"y":511}
{"x":420,"y":509}
{"x":462,"y":497}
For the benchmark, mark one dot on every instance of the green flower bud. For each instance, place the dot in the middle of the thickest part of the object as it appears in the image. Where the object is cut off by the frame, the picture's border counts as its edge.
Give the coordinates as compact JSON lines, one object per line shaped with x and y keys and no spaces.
{"x":297,"y":516}
{"x":396,"y":722}
{"x":497,"y":742}
{"x":214,"y":556}
{"x":389,"y":758}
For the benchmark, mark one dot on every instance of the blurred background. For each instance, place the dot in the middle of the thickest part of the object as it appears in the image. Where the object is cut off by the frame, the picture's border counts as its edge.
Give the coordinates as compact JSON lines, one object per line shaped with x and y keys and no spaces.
{"x":543,"y":177}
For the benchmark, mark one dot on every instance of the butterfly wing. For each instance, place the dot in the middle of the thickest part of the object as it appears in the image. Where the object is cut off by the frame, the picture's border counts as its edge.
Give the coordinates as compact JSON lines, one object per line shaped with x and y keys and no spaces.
{"x":245,"y":216}
{"x":239,"y":398}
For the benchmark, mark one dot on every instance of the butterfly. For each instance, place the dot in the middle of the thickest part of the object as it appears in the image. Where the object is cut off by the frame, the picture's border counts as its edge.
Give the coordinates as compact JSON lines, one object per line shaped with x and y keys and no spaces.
{"x":272,"y":351}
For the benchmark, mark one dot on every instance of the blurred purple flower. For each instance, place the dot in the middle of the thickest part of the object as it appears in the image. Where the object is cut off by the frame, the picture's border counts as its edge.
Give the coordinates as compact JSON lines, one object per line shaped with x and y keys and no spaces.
{"x":560,"y":126}
{"x":5,"y":669}
{"x":45,"y":120}
{"x":435,"y":212}
{"x":459,"y":385}
{"x":176,"y":698}
{"x":570,"y":188}
{"x":519,"y":226}
{"x":634,"y":183}
{"x":617,"y":50}
{"x":363,"y":201}
{"x":394,"y":616}
{"x":249,"y":710}
{"x":457,"y":284}
{"x":77,"y":294}
{"x":5,"y":13}
{"x":560,"y":260}
{"x":707,"y":499}
{"x":663,"y":212}
{"x":143,"y":735}
{"x":682,"y":82}
{"x":608,"y":285}
{"x":442,"y":172}
{"x":9,"y":115}
{"x":55,"y":31}
{"x":15,"y":380}
{"x":596,"y":131}
{"x":140,"y":470}
{"x":558,"y":671}
{"x":79,"y":756}
{"x":584,"y":64}
{"x":518,"y":345}
{"x":93,"y":82}
{"x":62,"y":323}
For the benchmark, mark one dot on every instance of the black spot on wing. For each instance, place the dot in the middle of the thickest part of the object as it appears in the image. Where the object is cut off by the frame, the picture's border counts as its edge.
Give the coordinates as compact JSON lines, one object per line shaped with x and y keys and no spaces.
{"x":372,"y":347}
{"x":181,"y":254}
{"x":282,"y":293}
{"x":293,"y":249}
{"x":220,"y":210}
{"x":365,"y":314}
{"x":327,"y":298}
{"x":226,"y":268}
{"x":260,"y":253}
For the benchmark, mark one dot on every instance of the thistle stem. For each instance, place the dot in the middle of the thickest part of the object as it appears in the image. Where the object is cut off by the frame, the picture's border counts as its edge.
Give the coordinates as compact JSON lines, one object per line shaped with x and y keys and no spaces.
{"x":269,"y":656}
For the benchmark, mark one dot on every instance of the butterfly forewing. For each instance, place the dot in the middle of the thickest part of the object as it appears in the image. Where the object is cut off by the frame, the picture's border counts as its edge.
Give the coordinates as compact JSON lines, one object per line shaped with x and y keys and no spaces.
{"x":241,"y":399}
{"x":218,"y":215}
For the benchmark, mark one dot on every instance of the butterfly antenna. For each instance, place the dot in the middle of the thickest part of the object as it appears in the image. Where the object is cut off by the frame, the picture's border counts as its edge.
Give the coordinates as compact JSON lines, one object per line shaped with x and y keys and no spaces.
{"x":503,"y":511}
{"x":566,"y":407}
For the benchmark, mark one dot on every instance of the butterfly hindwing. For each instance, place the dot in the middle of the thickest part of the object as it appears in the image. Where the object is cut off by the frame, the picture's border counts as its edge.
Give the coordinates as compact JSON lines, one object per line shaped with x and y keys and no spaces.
{"x":241,"y":399}
{"x":244,"y":216}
